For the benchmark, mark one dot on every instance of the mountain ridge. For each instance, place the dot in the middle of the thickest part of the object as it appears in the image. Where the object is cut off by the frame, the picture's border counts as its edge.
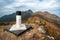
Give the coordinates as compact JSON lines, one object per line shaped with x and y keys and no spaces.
{"x":26,"y":14}
{"x":12,"y":17}
{"x":48,"y":17}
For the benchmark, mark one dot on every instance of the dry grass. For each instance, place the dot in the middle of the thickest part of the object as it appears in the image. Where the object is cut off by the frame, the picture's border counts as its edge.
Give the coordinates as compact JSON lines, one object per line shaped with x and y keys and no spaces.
{"x":33,"y":34}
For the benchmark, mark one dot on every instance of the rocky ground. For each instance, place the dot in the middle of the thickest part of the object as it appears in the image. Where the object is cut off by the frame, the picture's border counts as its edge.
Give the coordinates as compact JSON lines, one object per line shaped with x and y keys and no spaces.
{"x":42,"y":30}
{"x":37,"y":33}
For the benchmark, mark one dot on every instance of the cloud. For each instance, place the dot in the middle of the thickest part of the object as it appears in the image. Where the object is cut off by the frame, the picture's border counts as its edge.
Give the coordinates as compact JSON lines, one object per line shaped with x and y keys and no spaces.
{"x":45,"y":4}
{"x":1,"y":0}
{"x":35,"y":5}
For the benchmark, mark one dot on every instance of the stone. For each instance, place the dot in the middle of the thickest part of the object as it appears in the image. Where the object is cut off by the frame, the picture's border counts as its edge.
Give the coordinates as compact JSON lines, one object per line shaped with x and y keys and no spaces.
{"x":18,"y":32}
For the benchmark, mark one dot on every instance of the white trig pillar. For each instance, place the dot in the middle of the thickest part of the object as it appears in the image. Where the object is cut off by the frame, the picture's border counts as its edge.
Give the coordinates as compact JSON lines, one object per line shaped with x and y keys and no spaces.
{"x":18,"y":19}
{"x":18,"y":25}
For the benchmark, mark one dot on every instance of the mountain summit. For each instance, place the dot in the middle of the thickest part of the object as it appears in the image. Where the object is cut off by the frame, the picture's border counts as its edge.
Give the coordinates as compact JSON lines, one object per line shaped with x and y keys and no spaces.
{"x":45,"y":26}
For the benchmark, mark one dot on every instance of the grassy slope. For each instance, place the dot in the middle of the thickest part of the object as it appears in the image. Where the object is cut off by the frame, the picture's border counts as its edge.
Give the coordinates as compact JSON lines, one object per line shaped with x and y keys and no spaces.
{"x":50,"y":28}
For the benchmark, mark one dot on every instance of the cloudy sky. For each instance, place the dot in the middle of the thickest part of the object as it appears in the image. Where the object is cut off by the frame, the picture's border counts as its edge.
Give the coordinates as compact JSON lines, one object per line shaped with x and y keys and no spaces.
{"x":10,"y":6}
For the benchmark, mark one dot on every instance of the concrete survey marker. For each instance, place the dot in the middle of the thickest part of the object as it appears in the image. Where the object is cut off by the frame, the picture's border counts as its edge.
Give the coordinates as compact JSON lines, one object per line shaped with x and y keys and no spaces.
{"x":18,"y":28}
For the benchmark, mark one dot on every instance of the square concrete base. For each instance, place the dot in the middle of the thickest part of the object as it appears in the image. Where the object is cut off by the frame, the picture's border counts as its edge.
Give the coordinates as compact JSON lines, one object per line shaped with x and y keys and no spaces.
{"x":18,"y":32}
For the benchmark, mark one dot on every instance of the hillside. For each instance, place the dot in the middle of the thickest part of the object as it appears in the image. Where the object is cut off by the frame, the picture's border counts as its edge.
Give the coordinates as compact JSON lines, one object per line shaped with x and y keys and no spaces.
{"x":49,"y":17}
{"x":26,"y":14}
{"x":43,"y":29}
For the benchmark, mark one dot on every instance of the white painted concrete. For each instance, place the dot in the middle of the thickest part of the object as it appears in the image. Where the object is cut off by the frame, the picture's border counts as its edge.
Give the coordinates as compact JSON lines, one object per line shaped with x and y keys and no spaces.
{"x":18,"y":25}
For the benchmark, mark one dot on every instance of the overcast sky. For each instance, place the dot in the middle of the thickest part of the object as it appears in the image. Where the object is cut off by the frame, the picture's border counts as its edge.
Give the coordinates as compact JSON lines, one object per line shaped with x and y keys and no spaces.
{"x":10,"y":6}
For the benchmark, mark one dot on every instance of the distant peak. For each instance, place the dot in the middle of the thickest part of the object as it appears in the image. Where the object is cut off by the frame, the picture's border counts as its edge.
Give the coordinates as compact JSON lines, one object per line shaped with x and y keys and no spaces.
{"x":46,"y":12}
{"x":29,"y":10}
